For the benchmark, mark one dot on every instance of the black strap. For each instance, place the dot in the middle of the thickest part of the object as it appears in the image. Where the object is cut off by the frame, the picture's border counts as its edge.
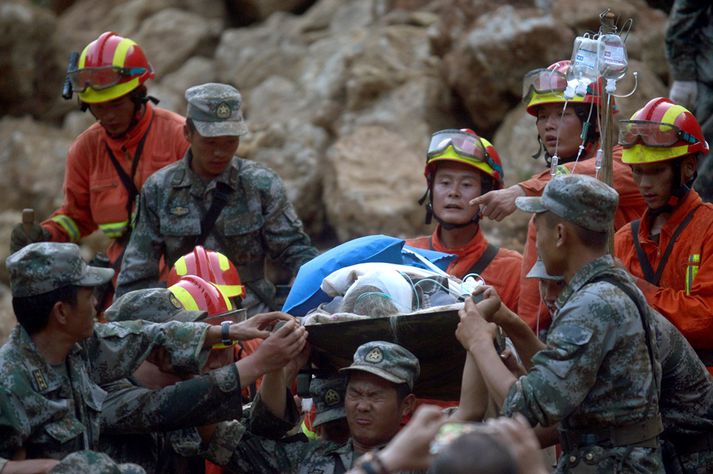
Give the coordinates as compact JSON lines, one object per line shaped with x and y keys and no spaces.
{"x":640,"y":306}
{"x":221,"y":195}
{"x":484,"y":260}
{"x":339,"y":467}
{"x":490,"y":252}
{"x":646,"y":267}
{"x":126,"y":180}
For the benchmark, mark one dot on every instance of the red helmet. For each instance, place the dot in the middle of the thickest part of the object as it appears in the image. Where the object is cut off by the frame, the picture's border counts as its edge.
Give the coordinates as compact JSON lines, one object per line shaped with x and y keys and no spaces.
{"x":109,"y":67}
{"x":211,"y":266}
{"x":464,"y":146}
{"x":546,"y":86}
{"x":660,"y":131}
{"x":197,"y":294}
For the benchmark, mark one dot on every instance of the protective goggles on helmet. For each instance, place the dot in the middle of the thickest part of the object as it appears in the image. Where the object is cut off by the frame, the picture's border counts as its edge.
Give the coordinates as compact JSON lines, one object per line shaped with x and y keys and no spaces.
{"x":462,"y":142}
{"x":542,"y":81}
{"x":100,"y":78}
{"x":653,"y":134}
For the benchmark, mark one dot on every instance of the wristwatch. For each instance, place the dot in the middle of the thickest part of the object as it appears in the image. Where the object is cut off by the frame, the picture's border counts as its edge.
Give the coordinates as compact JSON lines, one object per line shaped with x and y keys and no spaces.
{"x":225,"y":333}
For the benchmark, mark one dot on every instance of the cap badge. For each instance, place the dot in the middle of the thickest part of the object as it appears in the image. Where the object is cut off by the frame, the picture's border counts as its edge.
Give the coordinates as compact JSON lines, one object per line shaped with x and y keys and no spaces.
{"x":331,"y":397}
{"x":374,"y":356}
{"x":223,"y":111}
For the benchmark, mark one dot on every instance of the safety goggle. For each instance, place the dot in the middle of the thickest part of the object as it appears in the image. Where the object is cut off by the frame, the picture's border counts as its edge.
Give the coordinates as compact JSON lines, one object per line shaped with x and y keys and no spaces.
{"x":542,"y":81}
{"x":653,"y":134}
{"x":463,"y":143}
{"x":100,"y":78}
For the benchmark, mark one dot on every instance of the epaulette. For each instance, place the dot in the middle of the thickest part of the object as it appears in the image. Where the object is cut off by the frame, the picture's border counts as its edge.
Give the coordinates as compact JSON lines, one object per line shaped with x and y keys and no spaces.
{"x":178,"y":177}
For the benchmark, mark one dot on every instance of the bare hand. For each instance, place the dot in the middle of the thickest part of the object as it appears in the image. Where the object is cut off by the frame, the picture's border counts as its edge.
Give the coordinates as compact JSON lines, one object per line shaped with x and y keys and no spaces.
{"x":410,"y":448}
{"x":519,"y":437}
{"x":281,"y":347}
{"x":490,"y":303}
{"x":511,"y":362}
{"x":498,"y":204}
{"x":472,"y":329}
{"x":258,"y":326}
{"x":293,"y":367}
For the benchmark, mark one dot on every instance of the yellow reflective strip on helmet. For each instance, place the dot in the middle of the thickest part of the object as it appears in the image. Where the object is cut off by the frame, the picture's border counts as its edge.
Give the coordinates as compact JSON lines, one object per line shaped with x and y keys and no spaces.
{"x":231,"y":290}
{"x":223,"y":262}
{"x":114,"y":229}
{"x":69,"y":226}
{"x":119,"y":59}
{"x":181,"y":267}
{"x":672,"y":114}
{"x":184,"y":297}
{"x":82,"y":58}
{"x":639,"y":153}
{"x":228,"y":304}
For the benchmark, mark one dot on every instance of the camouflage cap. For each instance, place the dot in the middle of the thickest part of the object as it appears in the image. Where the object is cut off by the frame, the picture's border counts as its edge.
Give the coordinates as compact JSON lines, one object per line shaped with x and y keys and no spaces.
{"x":157,"y":305}
{"x":538,"y":270}
{"x":328,"y":395}
{"x":94,"y":462}
{"x":215,"y":110}
{"x":42,"y":267}
{"x":386,"y":360}
{"x":578,"y":198}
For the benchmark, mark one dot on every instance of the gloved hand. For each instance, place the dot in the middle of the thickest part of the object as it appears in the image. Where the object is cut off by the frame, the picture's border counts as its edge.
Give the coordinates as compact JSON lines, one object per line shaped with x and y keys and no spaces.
{"x":19,"y":238}
{"x":684,"y":93}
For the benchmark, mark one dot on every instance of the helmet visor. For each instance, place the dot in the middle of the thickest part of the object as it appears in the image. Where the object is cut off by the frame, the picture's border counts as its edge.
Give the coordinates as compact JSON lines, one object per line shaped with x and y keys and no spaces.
{"x":542,"y":81}
{"x":463,"y":143}
{"x":100,"y":78}
{"x":653,"y":134}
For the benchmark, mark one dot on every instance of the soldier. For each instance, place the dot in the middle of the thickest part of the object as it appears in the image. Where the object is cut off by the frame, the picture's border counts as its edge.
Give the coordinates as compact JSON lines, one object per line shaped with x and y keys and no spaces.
{"x":670,"y":250}
{"x":55,"y":359}
{"x":109,"y":162}
{"x":599,"y":375}
{"x":329,"y":422}
{"x":460,"y":166}
{"x":216,"y":199}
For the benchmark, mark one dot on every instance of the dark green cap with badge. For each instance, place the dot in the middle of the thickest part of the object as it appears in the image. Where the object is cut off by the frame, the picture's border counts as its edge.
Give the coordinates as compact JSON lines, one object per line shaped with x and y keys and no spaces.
{"x":386,"y":360}
{"x":215,"y":110}
{"x":42,"y":267}
{"x":578,"y":198}
{"x":157,"y":305}
{"x":328,"y":396}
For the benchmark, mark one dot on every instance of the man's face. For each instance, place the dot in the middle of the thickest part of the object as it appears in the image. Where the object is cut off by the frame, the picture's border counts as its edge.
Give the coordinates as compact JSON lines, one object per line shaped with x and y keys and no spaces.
{"x":373,"y":409}
{"x":549,"y":291}
{"x":654,"y":181}
{"x":211,"y":155}
{"x":552,"y":124}
{"x":115,"y":115}
{"x":80,"y":316}
{"x":454,"y":185}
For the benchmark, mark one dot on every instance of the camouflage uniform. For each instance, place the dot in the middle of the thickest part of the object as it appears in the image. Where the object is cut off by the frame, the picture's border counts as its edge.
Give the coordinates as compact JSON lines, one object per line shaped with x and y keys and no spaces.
{"x":137,"y":422}
{"x":57,"y":408}
{"x":258,"y":220}
{"x":689,"y":50}
{"x":96,"y":463}
{"x":598,"y":375}
{"x":247,"y":452}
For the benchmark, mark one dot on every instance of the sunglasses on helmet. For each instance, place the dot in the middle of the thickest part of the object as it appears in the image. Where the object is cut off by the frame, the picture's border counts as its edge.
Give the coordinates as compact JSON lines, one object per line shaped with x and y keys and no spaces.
{"x":542,"y":81}
{"x":653,"y":134}
{"x":100,"y":78}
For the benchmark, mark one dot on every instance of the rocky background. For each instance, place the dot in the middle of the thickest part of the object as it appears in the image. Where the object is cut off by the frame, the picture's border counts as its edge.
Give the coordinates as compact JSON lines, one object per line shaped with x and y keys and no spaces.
{"x":340,"y":96}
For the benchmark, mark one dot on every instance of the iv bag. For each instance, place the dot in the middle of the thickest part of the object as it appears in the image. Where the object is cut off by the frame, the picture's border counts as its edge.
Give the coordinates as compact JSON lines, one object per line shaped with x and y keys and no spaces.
{"x":613,"y":61}
{"x":583,"y":69}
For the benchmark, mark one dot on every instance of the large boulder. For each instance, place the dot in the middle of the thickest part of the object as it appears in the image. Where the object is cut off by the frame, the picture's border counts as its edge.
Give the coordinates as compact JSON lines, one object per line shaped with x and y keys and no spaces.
{"x":372,"y":181}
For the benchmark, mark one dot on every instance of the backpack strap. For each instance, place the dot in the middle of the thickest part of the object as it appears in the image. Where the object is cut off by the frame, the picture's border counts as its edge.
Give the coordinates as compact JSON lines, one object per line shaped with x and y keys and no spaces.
{"x":221,"y":195}
{"x":646,"y":267}
{"x":490,"y":252}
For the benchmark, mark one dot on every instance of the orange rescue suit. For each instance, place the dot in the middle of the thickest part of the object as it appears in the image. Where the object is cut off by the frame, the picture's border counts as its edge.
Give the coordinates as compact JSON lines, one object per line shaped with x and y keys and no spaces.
{"x":684,"y":294}
{"x":94,"y":196}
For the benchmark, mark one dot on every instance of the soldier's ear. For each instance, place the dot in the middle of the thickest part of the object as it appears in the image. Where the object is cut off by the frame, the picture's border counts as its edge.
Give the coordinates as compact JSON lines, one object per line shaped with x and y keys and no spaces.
{"x":59,"y":312}
{"x":408,"y":405}
{"x":187,"y":132}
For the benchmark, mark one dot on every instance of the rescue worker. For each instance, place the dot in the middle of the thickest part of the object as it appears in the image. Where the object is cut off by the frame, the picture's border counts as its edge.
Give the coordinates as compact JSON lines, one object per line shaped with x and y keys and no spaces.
{"x":686,"y":401}
{"x":670,"y":250}
{"x":561,"y":124}
{"x":109,"y":162}
{"x":689,"y":35}
{"x":599,"y":374}
{"x":214,"y":198}
{"x":460,"y":166}
{"x":327,"y":420}
{"x":55,"y":359}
